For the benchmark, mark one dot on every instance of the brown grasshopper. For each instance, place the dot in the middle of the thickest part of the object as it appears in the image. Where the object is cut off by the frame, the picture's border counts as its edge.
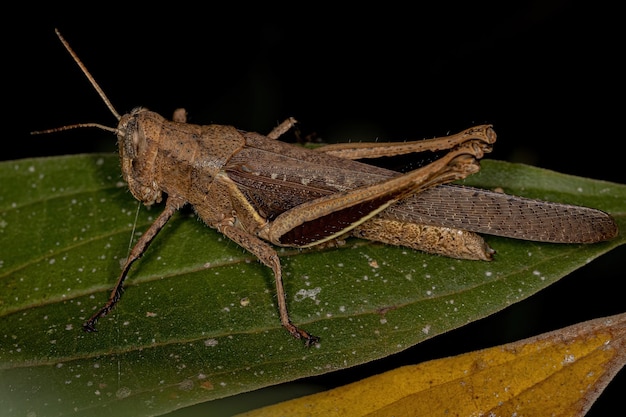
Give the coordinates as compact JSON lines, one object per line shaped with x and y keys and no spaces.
{"x":260,"y":192}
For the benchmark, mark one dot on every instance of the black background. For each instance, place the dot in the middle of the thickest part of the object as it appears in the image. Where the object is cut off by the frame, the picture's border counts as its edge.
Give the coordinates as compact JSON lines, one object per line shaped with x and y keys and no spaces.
{"x":547,"y":74}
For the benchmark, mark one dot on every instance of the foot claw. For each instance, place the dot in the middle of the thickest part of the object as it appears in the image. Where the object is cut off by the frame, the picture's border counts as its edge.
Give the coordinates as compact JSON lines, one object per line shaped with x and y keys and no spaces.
{"x":90,"y":326}
{"x":309,"y":339}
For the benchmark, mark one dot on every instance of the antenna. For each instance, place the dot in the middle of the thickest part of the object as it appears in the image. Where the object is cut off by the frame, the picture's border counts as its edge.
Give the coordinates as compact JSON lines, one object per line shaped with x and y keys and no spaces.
{"x":88,"y":75}
{"x":68,"y":127}
{"x":95,"y":85}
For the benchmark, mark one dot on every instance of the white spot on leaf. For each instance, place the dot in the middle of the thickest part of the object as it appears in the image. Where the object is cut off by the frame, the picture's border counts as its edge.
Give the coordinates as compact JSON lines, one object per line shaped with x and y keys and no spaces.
{"x":304,"y":294}
{"x":123,"y":392}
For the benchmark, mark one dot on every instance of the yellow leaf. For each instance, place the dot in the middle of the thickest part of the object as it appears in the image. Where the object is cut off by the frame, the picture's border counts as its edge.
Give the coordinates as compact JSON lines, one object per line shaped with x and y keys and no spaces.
{"x":560,"y":373}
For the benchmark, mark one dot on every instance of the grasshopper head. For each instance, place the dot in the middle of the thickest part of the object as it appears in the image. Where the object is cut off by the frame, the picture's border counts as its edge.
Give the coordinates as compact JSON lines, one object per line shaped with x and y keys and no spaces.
{"x":137,"y":134}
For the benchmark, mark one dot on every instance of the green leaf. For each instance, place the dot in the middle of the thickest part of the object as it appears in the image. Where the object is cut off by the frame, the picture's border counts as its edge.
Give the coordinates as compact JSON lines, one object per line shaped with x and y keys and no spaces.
{"x":198,"y":320}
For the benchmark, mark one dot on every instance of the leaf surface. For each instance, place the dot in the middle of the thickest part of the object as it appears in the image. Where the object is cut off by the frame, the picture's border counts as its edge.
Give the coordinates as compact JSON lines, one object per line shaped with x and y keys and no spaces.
{"x":198,"y":320}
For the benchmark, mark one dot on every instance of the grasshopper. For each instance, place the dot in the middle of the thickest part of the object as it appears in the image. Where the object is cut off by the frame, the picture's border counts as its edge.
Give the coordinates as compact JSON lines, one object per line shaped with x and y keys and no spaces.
{"x":260,"y":192}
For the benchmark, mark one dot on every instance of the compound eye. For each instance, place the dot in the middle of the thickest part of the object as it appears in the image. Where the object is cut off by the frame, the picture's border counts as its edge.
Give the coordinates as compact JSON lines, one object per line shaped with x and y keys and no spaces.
{"x":138,"y":141}
{"x":134,"y":140}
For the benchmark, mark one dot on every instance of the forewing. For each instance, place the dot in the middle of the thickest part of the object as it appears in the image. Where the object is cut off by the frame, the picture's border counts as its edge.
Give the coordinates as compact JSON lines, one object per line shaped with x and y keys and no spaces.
{"x":500,"y":214}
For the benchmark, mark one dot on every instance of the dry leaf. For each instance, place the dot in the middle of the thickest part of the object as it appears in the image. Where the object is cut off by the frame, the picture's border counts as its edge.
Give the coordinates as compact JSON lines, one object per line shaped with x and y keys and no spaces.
{"x":560,"y":373}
